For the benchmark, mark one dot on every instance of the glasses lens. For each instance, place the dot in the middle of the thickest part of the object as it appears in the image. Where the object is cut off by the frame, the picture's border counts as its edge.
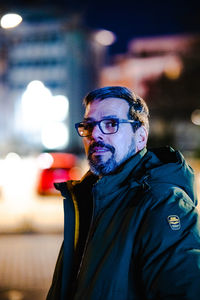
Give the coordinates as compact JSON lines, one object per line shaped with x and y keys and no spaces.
{"x":85,"y":129}
{"x":109,"y":126}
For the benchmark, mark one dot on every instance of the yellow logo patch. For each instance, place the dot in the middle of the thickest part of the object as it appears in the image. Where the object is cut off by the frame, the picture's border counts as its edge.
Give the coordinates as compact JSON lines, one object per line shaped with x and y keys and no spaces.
{"x":174,"y":222}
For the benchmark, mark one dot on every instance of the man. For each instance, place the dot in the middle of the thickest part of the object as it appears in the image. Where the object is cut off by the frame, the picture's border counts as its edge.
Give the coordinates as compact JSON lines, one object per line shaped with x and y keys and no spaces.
{"x":131,"y":226}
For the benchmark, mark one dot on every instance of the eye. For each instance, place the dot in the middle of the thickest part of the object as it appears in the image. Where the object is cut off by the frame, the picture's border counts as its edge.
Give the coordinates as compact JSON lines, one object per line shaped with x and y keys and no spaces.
{"x":110,"y":123}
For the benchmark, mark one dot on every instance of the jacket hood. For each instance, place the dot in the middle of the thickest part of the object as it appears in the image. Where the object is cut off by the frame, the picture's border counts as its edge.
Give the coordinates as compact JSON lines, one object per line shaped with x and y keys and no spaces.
{"x":166,"y":165}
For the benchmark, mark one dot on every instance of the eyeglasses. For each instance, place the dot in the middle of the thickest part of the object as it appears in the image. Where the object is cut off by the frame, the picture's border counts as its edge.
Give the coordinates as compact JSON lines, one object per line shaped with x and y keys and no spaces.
{"x":107,"y":126}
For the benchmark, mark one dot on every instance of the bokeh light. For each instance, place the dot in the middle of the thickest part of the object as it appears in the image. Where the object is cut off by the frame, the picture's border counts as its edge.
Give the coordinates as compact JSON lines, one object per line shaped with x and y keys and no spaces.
{"x":105,"y":37}
{"x":45,"y":160}
{"x":10,"y":20}
{"x":55,"y":135}
{"x":59,"y":108}
{"x":195,"y":117}
{"x":43,"y":114}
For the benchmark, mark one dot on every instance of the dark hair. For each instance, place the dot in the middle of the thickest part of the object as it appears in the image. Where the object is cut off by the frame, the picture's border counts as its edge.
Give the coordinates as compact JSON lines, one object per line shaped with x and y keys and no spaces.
{"x":138,"y":109}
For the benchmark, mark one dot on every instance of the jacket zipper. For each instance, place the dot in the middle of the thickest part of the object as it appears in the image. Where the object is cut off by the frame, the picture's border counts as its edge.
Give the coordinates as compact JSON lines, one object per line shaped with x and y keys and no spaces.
{"x":87,"y":239}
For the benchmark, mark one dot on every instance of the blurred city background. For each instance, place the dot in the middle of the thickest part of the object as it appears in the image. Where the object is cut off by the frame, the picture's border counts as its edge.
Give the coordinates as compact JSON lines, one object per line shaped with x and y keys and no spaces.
{"x":51,"y":55}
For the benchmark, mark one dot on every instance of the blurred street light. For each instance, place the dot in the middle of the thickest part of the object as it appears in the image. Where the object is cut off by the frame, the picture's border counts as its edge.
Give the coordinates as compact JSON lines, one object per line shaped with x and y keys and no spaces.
{"x":59,"y":108}
{"x":10,"y":20}
{"x":105,"y":37}
{"x":35,"y":103}
{"x":173,"y":67}
{"x":55,"y":135}
{"x":45,"y":115}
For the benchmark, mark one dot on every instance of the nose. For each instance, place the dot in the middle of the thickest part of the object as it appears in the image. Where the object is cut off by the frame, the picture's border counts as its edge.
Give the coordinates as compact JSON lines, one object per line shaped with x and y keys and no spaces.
{"x":96,"y":133}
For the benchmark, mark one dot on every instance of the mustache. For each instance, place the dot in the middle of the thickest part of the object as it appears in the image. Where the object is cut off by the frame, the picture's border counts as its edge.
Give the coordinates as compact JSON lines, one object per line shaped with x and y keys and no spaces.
{"x":102,"y":145}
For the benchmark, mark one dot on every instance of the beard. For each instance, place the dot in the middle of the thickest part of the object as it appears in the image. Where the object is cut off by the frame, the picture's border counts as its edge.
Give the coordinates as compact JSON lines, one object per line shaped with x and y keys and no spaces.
{"x":99,"y":166}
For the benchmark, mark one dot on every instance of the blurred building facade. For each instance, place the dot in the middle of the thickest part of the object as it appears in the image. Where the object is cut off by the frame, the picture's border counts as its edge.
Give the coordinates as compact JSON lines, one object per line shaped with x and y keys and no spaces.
{"x":60,"y":54}
{"x":164,"y":71}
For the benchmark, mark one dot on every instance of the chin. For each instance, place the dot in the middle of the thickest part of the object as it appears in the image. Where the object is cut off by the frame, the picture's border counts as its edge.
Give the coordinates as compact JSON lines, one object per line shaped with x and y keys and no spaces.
{"x":100,"y":168}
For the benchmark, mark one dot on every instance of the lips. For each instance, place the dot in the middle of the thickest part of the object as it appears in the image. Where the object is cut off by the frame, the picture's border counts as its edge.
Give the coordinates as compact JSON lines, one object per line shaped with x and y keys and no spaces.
{"x":99,"y":150}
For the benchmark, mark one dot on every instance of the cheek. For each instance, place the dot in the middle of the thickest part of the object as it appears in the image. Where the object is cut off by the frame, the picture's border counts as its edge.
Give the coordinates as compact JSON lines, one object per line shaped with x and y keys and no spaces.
{"x":118,"y":142}
{"x":124,"y":136}
{"x":124,"y":142}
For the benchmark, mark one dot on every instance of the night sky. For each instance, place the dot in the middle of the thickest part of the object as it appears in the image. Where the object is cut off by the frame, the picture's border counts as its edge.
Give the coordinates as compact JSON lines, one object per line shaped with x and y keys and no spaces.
{"x":129,"y":19}
{"x":126,"y":18}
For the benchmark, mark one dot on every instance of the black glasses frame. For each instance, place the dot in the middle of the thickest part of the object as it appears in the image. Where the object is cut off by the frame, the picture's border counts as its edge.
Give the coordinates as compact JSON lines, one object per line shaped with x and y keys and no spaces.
{"x":94,"y":123}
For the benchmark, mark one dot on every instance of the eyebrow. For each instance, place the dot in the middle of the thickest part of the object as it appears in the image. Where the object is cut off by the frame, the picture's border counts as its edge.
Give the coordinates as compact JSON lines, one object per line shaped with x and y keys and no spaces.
{"x":103,"y":118}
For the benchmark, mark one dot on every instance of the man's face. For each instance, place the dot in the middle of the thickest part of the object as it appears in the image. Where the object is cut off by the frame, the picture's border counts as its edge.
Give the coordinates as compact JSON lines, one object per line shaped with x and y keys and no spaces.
{"x":105,"y":152}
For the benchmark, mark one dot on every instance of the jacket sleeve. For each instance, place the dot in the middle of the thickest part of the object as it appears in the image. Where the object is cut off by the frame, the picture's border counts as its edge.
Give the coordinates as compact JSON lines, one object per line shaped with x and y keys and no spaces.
{"x":54,"y":292}
{"x":168,"y":248}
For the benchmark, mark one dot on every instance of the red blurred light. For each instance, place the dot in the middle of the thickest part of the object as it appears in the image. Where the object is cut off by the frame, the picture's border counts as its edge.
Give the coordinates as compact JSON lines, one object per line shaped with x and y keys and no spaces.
{"x":62,"y":169}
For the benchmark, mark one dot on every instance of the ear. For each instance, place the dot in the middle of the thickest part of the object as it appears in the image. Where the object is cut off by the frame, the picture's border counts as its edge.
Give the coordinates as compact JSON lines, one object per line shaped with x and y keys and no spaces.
{"x":141,"y":136}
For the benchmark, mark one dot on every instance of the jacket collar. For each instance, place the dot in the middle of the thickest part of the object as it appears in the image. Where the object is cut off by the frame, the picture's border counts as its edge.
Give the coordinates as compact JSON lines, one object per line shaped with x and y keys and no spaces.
{"x":108,"y":184}
{"x":123,"y":174}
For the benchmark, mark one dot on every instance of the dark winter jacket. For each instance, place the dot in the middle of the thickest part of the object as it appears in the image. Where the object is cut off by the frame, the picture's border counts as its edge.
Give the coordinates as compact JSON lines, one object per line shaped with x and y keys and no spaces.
{"x":144,"y":238}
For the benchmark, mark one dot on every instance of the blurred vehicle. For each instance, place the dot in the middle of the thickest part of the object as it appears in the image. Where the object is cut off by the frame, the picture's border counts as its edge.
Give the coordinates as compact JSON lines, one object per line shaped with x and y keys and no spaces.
{"x":56,"y":167}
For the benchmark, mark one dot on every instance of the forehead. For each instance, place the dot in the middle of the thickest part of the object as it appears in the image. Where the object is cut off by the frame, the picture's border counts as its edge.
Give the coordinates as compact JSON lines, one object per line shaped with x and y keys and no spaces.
{"x":107,"y":107}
